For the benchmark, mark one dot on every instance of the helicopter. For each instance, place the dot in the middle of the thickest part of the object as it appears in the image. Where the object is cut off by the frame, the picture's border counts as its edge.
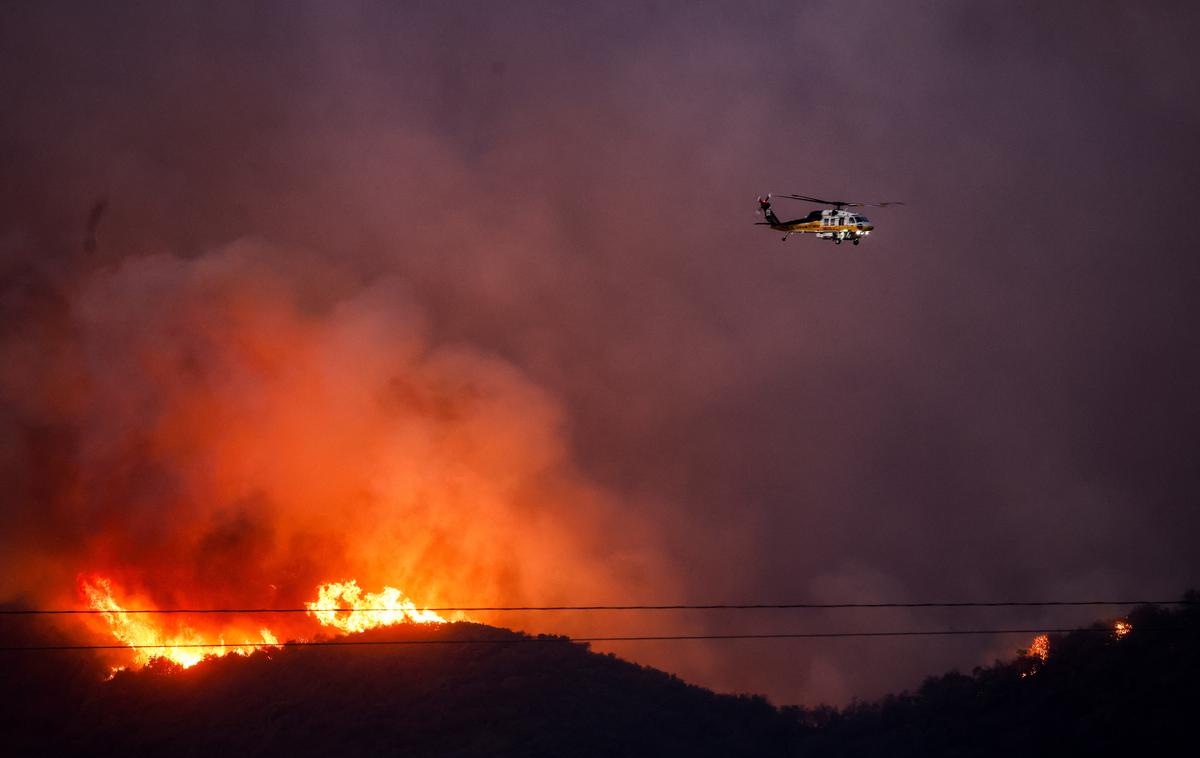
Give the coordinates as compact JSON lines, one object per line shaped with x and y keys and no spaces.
{"x":835,"y":223}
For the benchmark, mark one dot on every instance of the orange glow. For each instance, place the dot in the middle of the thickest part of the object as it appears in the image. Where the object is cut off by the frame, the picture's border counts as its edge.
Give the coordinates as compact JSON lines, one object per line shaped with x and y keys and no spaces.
{"x":1122,"y":628}
{"x":372,"y":609}
{"x":149,"y":640}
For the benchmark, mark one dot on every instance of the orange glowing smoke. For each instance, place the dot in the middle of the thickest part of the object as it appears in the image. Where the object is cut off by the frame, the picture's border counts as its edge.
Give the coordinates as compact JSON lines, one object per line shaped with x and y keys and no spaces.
{"x":372,"y":609}
{"x":249,"y":424}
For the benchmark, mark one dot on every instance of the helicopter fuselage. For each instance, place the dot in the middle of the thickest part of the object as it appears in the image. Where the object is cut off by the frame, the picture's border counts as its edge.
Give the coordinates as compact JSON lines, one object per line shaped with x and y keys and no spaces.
{"x":836,"y":225}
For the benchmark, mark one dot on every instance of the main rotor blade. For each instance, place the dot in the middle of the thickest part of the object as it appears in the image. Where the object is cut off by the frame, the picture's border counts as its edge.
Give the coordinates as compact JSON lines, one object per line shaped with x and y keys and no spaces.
{"x":808,"y":199}
{"x":840,"y":203}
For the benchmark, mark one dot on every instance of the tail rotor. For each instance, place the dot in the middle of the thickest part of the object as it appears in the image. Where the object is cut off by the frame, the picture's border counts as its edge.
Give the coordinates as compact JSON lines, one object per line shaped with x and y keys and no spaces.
{"x":764,"y":210}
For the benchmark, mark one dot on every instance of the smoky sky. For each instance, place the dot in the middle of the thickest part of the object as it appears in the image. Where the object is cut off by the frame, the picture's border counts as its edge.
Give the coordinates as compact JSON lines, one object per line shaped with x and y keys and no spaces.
{"x":992,"y":398}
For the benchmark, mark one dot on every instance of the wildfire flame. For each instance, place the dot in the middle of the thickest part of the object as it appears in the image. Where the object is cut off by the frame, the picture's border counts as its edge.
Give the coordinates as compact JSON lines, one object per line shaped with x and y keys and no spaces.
{"x":1038,"y":651}
{"x":148,"y":639}
{"x":372,"y":609}
{"x":152,"y":636}
{"x":1040,"y":647}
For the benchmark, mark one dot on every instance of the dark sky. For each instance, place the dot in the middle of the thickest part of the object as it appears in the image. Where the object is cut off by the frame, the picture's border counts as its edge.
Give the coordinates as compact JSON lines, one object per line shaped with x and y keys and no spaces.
{"x":993,"y":398}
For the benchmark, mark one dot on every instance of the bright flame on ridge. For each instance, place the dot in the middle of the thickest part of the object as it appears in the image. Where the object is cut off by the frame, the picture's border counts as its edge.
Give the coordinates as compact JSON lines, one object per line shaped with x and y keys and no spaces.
{"x":370,"y":609}
{"x":148,"y":640}
{"x":341,"y":605}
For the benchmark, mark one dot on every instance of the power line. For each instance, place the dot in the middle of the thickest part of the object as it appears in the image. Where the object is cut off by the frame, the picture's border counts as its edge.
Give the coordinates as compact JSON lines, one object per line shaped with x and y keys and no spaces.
{"x":641,"y":607}
{"x":632,"y":638}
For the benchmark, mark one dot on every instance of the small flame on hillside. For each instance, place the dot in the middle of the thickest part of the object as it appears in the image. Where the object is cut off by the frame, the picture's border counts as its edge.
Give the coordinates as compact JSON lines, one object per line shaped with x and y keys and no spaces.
{"x":1040,"y":647}
{"x":1037,"y":653}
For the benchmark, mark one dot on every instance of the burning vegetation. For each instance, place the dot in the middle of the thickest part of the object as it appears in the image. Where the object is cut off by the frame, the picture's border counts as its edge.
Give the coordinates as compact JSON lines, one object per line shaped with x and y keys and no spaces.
{"x":366,"y":610}
{"x":152,"y":634}
{"x":1039,"y":648}
{"x":1038,"y":651}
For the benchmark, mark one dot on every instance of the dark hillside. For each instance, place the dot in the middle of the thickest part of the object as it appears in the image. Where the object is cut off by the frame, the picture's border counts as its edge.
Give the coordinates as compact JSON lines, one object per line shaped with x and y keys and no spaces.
{"x":1095,"y":694}
{"x":502,"y":698}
